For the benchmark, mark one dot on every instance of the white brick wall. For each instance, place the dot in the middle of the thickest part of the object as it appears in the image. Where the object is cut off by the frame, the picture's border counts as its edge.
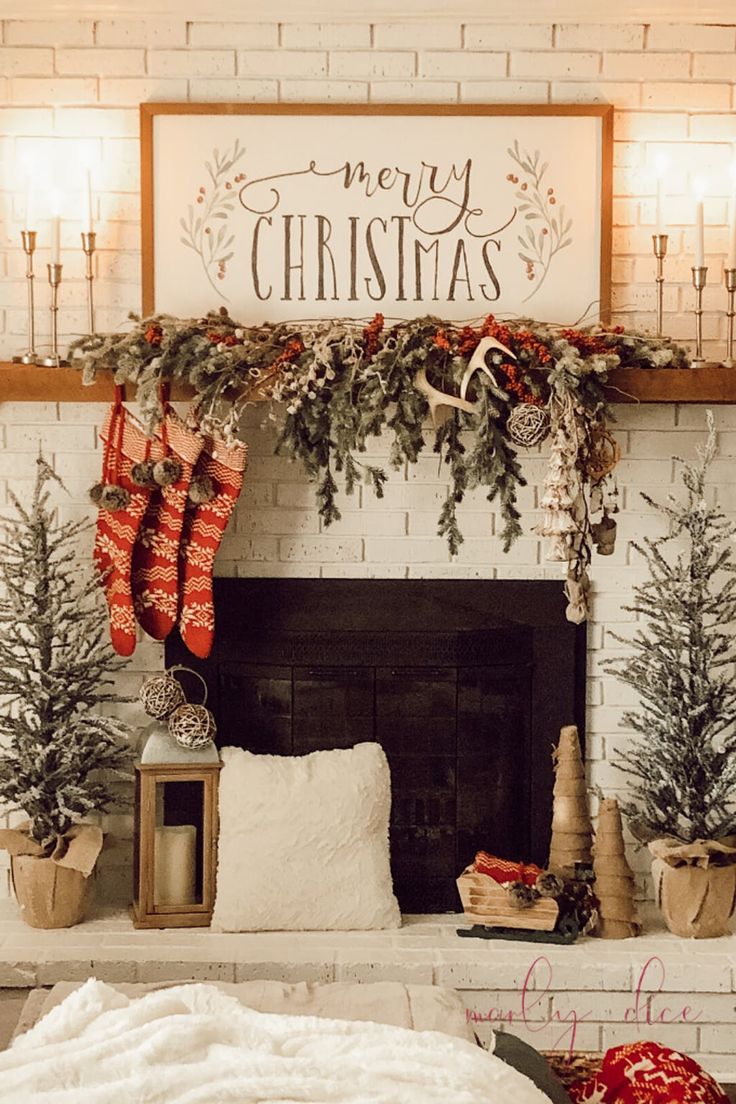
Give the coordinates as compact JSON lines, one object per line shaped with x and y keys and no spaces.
{"x":672,"y":87}
{"x":78,"y":80}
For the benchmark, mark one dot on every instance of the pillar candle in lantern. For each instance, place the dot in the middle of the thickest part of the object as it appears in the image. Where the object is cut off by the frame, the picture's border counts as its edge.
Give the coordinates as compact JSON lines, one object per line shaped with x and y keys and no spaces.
{"x":174,"y":865}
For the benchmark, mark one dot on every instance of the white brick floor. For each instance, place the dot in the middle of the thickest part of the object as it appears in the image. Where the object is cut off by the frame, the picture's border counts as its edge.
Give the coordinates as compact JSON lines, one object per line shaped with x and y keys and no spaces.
{"x":584,"y":996}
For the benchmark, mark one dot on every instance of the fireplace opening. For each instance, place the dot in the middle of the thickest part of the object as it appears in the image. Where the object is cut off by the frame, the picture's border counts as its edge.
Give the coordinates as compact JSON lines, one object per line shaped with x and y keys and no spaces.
{"x":465,"y":684}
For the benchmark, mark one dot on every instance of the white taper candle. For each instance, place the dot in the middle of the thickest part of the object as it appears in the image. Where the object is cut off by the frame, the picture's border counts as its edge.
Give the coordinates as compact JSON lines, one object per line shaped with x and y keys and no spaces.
{"x":699,"y":228}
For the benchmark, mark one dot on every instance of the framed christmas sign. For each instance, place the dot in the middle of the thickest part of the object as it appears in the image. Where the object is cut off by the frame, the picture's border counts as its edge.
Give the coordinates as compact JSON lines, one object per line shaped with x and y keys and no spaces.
{"x":287,"y":212}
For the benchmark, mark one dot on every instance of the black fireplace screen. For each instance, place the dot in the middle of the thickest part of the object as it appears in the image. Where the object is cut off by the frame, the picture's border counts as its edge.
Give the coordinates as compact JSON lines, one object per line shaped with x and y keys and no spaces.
{"x":464,"y":683}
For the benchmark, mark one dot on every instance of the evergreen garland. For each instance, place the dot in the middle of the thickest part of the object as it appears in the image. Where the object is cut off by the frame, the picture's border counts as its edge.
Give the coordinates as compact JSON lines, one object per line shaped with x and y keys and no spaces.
{"x":683,"y":764}
{"x":333,"y":384}
{"x":55,"y":668}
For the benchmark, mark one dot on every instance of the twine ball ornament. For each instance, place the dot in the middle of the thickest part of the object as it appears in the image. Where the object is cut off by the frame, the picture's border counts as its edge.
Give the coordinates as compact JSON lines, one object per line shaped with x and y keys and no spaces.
{"x":528,"y":424}
{"x":167,"y":471}
{"x":192,"y":726}
{"x":160,"y":695}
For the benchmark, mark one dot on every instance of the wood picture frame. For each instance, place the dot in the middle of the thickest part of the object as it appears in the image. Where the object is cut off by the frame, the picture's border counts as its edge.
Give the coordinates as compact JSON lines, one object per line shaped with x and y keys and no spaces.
{"x":509,"y":254}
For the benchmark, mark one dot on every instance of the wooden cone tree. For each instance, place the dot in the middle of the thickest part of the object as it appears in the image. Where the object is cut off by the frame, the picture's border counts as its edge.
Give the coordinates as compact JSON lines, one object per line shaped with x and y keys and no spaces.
{"x":614,"y":880}
{"x":572,"y":832}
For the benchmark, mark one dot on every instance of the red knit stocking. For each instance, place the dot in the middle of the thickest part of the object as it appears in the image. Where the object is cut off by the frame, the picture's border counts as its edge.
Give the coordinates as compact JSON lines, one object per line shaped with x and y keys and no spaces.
{"x":125,"y":445}
{"x":220,"y":469}
{"x":156,"y":552}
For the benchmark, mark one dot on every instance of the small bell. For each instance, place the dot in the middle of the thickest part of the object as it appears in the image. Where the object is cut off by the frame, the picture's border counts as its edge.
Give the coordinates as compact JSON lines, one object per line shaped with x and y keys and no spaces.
{"x":604,"y":535}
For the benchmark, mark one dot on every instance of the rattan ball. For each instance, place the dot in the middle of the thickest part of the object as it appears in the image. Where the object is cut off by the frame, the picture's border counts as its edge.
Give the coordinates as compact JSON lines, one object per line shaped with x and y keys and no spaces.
{"x":160,"y":695}
{"x":528,"y":424}
{"x":192,"y":726}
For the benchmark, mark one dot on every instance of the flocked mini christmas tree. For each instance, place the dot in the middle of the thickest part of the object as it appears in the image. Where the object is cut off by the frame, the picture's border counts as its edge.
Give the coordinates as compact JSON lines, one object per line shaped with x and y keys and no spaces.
{"x":572,"y":832}
{"x":55,"y":668}
{"x":683,"y":762}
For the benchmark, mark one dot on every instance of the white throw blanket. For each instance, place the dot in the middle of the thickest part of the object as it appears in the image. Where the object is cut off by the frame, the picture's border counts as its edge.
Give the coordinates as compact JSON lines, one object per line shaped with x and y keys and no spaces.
{"x":196,"y":1045}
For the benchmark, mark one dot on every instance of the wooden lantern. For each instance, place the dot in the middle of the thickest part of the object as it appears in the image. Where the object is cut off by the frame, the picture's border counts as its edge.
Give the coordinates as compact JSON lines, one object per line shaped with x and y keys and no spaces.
{"x":175,"y":846}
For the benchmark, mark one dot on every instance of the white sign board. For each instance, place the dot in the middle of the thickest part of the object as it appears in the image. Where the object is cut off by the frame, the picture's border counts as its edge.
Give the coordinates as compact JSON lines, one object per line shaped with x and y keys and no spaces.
{"x":286,"y":213}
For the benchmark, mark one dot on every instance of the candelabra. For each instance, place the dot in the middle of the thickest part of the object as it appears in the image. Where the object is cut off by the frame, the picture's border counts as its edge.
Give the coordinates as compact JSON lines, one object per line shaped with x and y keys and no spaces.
{"x":88,"y":245}
{"x":729,"y":276}
{"x":28,"y":238}
{"x":54,"y":360}
{"x":659,"y":243}
{"x":700,"y":277}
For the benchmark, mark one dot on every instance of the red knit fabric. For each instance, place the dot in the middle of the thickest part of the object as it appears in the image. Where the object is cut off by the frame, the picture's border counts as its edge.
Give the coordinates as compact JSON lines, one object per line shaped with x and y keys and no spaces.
{"x":204,"y":527}
{"x":117,"y":530}
{"x":156,"y":552}
{"x":647,"y":1073}
{"x":501,"y":870}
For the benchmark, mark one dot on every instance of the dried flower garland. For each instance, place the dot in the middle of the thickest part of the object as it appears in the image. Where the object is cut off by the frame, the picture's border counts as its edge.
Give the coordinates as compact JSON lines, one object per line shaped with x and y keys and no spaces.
{"x":331,"y":385}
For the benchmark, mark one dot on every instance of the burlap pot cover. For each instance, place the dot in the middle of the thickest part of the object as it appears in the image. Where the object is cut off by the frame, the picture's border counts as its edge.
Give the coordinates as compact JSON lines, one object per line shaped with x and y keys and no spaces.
{"x":50,"y":896}
{"x":695,"y":886}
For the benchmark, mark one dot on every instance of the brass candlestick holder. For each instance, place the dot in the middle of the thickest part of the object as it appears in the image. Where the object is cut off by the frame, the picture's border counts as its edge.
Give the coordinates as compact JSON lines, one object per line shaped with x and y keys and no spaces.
{"x":700,"y":278}
{"x":54,"y":360}
{"x":729,"y":276}
{"x":659,"y":244}
{"x":88,"y":245}
{"x":28,"y":238}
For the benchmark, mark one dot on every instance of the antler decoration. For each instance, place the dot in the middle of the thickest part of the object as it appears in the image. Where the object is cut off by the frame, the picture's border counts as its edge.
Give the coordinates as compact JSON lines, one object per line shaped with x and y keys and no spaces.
{"x":438,"y":399}
{"x":478,"y":362}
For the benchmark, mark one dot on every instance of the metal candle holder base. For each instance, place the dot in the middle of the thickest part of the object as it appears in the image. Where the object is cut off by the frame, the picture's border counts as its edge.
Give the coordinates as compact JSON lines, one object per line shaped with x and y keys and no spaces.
{"x":700,"y":279}
{"x":28,"y":238}
{"x":659,"y":244}
{"x":54,"y":360}
{"x":88,"y":245}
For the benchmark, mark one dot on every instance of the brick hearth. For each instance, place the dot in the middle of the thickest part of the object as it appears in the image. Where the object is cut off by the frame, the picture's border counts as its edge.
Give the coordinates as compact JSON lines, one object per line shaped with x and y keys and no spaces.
{"x":687,"y":996}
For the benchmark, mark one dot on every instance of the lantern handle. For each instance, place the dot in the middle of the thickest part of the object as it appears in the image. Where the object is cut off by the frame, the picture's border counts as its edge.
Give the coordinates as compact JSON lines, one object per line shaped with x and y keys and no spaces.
{"x":191,"y":671}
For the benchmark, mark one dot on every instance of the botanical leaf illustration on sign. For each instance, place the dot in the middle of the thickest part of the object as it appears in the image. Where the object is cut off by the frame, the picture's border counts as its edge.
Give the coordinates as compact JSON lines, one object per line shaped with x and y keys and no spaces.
{"x":206,"y":229}
{"x":546,"y":228}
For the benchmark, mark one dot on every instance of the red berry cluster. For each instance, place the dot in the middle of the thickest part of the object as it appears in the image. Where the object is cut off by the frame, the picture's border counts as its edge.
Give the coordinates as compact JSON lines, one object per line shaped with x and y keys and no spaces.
{"x":442,"y":341}
{"x":223,"y":338}
{"x":586,"y":344}
{"x":291,"y":352}
{"x":154,"y":335}
{"x":515,"y":384}
{"x":372,"y":334}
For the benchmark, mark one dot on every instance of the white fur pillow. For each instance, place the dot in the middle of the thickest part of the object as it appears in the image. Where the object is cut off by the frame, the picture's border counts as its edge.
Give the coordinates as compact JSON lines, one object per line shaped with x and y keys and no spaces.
{"x":304,"y":842}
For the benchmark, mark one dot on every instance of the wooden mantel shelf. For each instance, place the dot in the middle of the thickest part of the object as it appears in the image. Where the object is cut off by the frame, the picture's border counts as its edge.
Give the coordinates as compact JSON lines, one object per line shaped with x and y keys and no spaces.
{"x":712,"y":383}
